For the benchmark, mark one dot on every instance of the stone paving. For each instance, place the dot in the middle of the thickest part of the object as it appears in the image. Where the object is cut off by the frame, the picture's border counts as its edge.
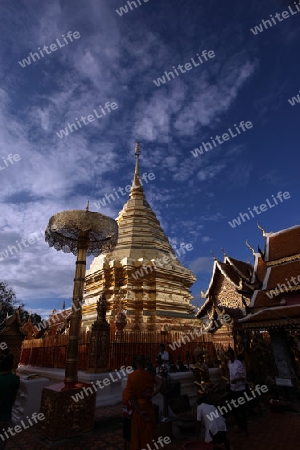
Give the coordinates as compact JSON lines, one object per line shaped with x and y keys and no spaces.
{"x":271,"y":431}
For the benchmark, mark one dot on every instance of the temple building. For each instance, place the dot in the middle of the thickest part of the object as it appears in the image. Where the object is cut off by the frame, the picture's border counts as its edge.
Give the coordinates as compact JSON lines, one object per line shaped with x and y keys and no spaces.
{"x":226,"y":299}
{"x":274,"y":310}
{"x":263,"y":303}
{"x":142,"y":278}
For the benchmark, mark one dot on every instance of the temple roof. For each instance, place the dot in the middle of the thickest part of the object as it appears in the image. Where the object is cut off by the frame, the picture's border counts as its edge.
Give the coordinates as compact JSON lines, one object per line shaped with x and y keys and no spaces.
{"x":229,"y":270}
{"x":281,"y":263}
{"x":231,"y":274}
{"x":260,"y":268}
{"x":276,"y":316}
{"x":243,"y":268}
{"x":12,"y":321}
{"x":282,"y":274}
{"x":282,"y":244}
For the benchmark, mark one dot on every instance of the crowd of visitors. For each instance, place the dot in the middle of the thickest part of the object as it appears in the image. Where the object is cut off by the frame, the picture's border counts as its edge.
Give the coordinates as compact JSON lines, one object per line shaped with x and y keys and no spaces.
{"x":139,"y":415}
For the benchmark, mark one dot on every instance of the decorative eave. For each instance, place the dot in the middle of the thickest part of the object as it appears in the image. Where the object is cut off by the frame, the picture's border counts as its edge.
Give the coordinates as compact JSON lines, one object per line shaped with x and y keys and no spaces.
{"x":222,"y":267}
{"x":215,"y":268}
{"x":271,"y":317}
{"x":276,"y":262}
{"x":235,"y":264}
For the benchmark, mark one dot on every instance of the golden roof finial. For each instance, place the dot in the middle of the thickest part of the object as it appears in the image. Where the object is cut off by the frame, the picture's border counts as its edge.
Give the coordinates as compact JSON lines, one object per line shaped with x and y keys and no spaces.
{"x":202,"y":293}
{"x":249,"y":246}
{"x":261,"y":229}
{"x":224,"y":253}
{"x":87,"y":205}
{"x":213,"y":255}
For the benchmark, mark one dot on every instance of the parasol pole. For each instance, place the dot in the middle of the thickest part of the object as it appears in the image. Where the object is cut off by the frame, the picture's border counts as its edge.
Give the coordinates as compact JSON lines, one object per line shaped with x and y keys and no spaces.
{"x":71,"y":370}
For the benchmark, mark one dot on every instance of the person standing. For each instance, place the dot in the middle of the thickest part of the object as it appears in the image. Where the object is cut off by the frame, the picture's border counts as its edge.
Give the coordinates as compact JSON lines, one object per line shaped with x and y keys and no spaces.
{"x":237,"y":380}
{"x":9,"y":385}
{"x":163,"y":356}
{"x":139,"y":391}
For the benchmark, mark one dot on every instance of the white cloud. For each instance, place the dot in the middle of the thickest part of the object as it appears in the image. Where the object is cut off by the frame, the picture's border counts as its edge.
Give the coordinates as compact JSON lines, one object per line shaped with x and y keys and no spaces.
{"x":202,"y":264}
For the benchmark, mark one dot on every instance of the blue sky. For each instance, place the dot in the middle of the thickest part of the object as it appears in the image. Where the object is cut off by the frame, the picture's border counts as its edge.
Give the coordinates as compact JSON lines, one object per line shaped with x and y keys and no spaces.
{"x":116,"y":60}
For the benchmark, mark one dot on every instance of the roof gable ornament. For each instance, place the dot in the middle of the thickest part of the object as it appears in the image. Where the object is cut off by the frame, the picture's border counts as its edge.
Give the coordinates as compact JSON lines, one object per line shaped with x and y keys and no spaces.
{"x":213,"y":255}
{"x":261,"y":253}
{"x":203,"y":294}
{"x":224,"y":253}
{"x":249,"y":246}
{"x":264,"y":232}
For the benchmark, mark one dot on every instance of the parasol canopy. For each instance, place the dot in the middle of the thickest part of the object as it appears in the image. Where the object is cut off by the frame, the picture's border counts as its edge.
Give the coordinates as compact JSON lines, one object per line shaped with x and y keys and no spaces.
{"x":66,"y":228}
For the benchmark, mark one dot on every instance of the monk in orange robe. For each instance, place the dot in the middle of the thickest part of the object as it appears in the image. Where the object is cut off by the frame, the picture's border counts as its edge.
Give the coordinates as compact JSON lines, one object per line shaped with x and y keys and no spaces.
{"x":139,"y":391}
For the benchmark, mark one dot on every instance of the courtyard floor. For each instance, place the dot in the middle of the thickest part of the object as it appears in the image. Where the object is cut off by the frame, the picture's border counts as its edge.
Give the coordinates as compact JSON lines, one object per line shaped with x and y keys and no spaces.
{"x":271,"y":431}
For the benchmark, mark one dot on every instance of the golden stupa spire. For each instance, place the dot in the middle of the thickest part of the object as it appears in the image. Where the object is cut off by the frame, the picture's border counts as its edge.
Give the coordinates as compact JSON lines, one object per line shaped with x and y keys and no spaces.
{"x":137,"y":153}
{"x":136,"y":190}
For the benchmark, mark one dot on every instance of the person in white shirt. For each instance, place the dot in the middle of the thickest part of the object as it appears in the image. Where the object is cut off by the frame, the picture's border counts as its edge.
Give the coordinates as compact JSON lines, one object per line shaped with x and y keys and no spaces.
{"x":163,"y":355}
{"x":215,"y":426}
{"x":238,"y":382}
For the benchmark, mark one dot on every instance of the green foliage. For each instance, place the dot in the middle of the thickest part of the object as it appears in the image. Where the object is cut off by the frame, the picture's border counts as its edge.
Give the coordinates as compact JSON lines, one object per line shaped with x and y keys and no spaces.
{"x":9,"y":304}
{"x":8,"y":301}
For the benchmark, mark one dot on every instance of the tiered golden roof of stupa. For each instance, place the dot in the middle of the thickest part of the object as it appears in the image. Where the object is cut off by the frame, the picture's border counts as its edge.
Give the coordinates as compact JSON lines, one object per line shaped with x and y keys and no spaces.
{"x":143,"y":264}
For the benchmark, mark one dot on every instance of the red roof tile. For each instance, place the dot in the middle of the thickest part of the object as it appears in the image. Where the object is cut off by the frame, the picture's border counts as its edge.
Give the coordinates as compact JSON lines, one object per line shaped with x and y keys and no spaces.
{"x":282,"y":244}
{"x":283,"y":273}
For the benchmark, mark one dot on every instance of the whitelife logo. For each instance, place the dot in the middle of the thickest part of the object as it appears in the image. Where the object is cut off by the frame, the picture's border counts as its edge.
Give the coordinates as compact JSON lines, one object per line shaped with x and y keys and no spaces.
{"x":3,"y":345}
{"x":166,"y":259}
{"x":106,"y":381}
{"x":225,"y":136}
{"x":292,"y":101}
{"x":187,"y":66}
{"x":108,"y":197}
{"x":240,"y":400}
{"x":11,"y":159}
{"x":216,"y":324}
{"x":18,"y":428}
{"x":90,"y":118}
{"x":11,"y":250}
{"x":283,"y":287}
{"x":267,"y":23}
{"x":124,"y":9}
{"x":263,"y":207}
{"x":53,"y":47}
{"x":161,"y":440}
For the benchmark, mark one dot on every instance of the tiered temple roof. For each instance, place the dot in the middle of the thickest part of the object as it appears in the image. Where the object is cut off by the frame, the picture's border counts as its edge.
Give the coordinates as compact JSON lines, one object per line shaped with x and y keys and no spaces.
{"x":278,"y":267}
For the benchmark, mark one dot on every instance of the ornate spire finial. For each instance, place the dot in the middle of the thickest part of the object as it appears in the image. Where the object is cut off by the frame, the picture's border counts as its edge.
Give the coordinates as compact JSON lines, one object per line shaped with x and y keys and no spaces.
{"x":137,"y":149}
{"x":136,"y":188}
{"x":249,"y":246}
{"x":213,"y":255}
{"x":261,"y":229}
{"x":87,"y":205}
{"x":224,"y":253}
